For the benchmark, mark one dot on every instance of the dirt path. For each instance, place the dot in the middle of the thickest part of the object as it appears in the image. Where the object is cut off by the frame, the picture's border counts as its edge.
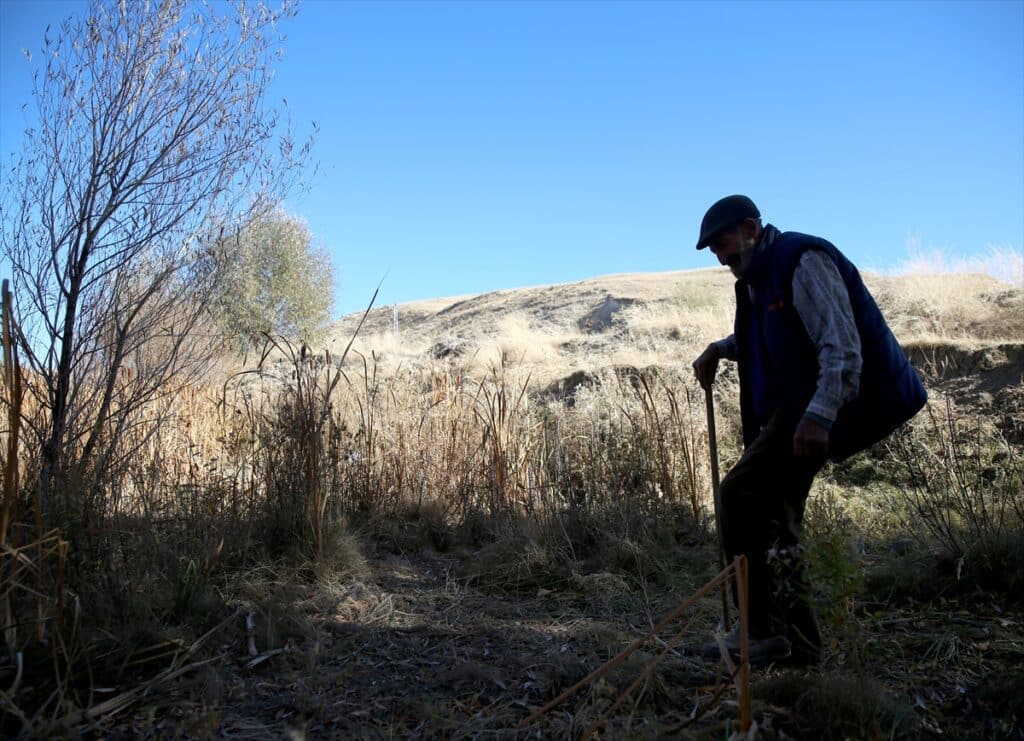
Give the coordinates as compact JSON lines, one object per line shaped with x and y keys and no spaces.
{"x":411,"y":651}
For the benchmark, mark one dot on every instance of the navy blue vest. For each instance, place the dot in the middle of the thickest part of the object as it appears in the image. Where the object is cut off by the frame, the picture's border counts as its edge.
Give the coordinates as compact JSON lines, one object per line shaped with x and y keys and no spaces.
{"x":778,"y":363}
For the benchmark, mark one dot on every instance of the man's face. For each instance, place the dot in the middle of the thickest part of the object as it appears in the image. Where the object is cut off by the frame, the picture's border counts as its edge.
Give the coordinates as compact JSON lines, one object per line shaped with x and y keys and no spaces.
{"x":734,"y":248}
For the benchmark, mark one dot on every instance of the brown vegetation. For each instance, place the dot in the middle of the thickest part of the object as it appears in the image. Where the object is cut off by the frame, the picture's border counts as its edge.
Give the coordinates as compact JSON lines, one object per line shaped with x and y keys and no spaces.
{"x":442,"y":532}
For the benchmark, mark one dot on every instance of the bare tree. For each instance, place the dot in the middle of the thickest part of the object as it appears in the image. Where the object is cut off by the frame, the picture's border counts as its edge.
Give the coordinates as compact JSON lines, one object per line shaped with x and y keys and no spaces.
{"x":152,"y":137}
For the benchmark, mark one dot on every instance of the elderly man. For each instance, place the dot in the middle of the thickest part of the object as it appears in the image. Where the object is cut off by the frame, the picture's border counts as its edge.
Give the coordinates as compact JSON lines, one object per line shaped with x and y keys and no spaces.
{"x":821,"y":376}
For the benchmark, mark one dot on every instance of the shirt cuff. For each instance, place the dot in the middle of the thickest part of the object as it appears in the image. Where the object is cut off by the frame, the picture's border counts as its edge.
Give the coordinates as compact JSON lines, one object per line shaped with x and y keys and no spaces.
{"x":727,"y":347}
{"x":823,"y":421}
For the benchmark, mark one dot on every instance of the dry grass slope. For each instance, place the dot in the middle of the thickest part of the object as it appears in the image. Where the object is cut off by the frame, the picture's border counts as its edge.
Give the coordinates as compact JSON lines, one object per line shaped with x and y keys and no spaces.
{"x":658,"y":319}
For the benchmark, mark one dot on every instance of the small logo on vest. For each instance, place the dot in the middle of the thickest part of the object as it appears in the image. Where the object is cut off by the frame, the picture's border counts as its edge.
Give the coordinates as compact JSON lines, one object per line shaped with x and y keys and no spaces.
{"x":780,"y":304}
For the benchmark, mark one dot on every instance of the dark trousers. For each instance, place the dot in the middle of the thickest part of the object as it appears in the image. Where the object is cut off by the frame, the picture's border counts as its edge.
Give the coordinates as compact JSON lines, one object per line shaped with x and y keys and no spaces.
{"x":763,"y":500}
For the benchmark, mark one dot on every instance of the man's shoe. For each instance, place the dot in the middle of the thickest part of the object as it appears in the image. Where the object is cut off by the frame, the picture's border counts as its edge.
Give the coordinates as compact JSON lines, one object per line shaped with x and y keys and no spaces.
{"x":804,"y":636}
{"x":763,"y":650}
{"x":803,"y":658}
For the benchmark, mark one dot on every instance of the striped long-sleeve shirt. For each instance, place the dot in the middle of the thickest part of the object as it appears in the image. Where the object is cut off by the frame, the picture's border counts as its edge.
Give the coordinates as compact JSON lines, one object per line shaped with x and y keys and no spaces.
{"x":823,"y":305}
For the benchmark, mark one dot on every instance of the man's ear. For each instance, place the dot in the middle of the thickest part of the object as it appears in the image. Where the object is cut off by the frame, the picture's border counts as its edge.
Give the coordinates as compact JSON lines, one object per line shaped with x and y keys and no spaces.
{"x":751,"y":229}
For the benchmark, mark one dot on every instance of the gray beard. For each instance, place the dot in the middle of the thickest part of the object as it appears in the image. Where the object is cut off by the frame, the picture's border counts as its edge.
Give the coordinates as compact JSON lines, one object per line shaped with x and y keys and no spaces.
{"x":739,"y":263}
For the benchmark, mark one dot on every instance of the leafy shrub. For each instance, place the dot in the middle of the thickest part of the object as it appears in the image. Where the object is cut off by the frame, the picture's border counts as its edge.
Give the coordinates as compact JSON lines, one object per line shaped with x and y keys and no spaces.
{"x":275,"y":281}
{"x":835,"y":568}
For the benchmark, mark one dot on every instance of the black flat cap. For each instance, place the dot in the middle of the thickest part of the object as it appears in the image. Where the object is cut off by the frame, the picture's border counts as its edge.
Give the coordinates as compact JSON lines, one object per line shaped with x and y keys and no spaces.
{"x":725,"y":213}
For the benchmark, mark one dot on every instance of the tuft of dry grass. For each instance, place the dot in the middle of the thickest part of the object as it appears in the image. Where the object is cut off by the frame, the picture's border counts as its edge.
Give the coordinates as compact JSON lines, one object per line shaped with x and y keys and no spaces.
{"x":838,"y":707}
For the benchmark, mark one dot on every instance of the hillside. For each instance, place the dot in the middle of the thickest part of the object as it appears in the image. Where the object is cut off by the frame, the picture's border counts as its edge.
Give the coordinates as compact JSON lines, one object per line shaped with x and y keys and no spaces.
{"x":965,"y":331}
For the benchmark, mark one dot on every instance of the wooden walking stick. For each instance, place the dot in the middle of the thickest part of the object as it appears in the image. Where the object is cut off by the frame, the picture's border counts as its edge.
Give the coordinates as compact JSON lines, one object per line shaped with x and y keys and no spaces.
{"x":713,"y":444}
{"x":742,"y":567}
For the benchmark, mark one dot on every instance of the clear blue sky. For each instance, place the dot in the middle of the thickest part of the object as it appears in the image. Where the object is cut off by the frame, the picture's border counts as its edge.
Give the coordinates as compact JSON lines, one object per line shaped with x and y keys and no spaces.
{"x":471,"y":146}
